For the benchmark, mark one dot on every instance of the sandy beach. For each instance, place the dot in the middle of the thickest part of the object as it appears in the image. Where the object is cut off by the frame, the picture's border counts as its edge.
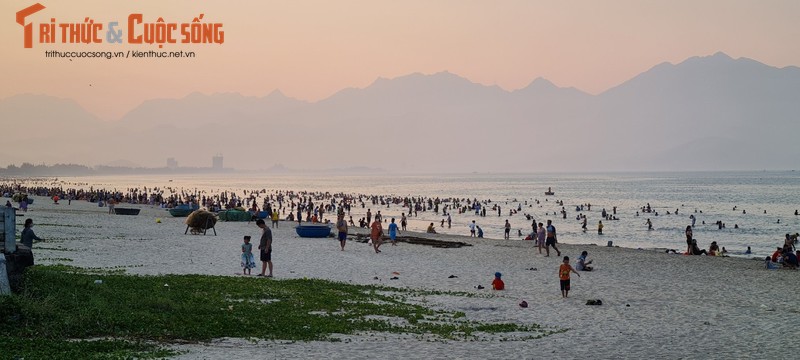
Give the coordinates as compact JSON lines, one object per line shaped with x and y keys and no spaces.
{"x":655,"y":305}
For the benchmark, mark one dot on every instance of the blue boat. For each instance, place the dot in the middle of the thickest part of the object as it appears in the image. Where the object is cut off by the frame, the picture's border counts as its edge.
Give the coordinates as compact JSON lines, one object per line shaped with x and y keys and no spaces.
{"x":313,"y":230}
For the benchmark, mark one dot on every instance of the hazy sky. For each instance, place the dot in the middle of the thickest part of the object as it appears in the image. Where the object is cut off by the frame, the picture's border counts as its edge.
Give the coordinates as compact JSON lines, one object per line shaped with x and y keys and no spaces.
{"x":311,"y":49}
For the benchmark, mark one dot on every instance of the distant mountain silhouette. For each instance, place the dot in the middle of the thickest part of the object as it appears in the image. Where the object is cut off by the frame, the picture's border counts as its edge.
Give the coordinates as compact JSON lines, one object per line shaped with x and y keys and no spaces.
{"x":705,"y":113}
{"x":41,"y":128}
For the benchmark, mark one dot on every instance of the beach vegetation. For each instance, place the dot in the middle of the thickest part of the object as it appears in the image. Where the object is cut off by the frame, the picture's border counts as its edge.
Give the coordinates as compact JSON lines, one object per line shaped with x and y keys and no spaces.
{"x":68,"y":312}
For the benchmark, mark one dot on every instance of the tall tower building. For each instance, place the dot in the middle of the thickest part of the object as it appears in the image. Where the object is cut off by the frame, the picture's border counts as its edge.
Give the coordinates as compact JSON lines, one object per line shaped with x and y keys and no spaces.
{"x":216,"y":162}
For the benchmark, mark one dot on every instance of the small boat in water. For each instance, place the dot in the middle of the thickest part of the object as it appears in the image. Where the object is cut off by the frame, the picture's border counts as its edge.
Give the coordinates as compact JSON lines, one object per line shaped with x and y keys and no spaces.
{"x":549,"y":192}
{"x":126,"y":211}
{"x":313,"y":230}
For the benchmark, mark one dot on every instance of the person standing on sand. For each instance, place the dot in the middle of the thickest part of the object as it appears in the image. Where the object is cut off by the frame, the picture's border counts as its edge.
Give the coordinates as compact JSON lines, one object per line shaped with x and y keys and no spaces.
{"x":507,"y":233}
{"x":472,"y":229}
{"x":275,"y":217}
{"x":27,"y":236}
{"x":550,"y":239}
{"x":248,"y":260}
{"x":393,"y":232}
{"x":265,"y":247}
{"x":563,"y":274}
{"x":375,"y":235}
{"x":341,"y":226}
{"x":540,"y":237}
{"x":403,"y":221}
{"x":600,"y":227}
{"x":688,"y":239}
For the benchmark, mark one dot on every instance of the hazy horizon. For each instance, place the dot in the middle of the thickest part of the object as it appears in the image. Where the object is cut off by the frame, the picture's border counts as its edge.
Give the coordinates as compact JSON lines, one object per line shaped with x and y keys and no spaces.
{"x":311,"y":49}
{"x":413,"y":86}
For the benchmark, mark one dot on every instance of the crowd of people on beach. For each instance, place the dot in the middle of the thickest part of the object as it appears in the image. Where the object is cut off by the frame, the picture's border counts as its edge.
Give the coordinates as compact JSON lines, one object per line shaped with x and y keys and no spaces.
{"x":315,"y":206}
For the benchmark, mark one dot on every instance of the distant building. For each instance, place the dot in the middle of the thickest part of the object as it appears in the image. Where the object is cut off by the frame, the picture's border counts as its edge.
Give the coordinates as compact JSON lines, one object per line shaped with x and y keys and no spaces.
{"x":216,"y":162}
{"x":172,"y":163}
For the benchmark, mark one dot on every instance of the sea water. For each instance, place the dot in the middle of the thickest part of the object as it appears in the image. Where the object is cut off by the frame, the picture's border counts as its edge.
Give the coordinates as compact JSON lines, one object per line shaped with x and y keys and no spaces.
{"x":764,"y":202}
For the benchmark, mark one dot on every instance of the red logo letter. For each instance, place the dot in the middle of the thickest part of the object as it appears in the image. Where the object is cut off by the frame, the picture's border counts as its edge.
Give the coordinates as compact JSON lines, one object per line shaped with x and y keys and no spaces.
{"x":21,"y":15}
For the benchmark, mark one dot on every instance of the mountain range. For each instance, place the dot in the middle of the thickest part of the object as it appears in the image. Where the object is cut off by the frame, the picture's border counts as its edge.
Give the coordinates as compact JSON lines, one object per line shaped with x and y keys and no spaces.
{"x":705,"y":113}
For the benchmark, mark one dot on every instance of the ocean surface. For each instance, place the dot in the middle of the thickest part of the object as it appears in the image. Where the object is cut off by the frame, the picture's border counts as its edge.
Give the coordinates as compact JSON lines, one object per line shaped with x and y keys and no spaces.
{"x":764,"y":202}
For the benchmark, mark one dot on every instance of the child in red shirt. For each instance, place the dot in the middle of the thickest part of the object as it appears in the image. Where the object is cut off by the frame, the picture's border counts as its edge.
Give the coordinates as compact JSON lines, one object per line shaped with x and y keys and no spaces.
{"x":498,"y":283}
{"x":563,"y":275}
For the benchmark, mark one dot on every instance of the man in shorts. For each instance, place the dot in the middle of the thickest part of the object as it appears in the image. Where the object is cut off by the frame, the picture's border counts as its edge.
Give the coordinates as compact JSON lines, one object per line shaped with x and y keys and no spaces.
{"x":265,"y":245}
{"x":550,"y":238}
{"x":341,"y":225}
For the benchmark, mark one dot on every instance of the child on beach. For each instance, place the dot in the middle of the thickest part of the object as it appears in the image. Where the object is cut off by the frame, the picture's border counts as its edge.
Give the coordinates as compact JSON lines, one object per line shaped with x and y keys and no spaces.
{"x":497,"y":283}
{"x":563,"y":275}
{"x":582,"y":264}
{"x":393,"y":232}
{"x":248,"y":260}
{"x":770,"y":265}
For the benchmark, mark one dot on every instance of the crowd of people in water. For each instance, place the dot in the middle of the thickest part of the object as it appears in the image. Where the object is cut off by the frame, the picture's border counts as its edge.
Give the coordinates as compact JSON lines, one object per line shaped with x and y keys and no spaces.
{"x":315,"y":206}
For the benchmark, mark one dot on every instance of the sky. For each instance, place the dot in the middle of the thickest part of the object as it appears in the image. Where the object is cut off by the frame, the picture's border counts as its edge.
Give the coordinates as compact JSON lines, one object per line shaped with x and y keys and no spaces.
{"x":311,"y":49}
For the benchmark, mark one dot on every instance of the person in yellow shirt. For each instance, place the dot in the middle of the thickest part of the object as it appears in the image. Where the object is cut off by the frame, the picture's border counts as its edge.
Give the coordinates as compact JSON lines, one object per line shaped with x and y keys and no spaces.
{"x":275,"y":217}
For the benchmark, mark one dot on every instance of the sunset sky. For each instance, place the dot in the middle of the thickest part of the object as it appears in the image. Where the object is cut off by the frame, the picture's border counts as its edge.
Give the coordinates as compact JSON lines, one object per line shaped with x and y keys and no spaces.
{"x":311,"y":49}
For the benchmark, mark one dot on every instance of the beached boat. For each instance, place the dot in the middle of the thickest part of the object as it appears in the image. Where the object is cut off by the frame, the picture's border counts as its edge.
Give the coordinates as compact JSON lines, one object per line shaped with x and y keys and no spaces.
{"x":234,"y":215}
{"x":126,"y":211}
{"x":313,"y":230}
{"x":182,"y":210}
